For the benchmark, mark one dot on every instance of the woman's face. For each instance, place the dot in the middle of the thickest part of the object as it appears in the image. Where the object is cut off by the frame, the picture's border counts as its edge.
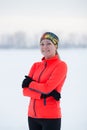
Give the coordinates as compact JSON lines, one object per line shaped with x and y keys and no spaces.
{"x":48,"y":49}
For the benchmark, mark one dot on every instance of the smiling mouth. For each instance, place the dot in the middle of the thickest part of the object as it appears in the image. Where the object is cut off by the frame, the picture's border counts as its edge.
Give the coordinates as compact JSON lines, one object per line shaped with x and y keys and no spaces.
{"x":46,"y":51}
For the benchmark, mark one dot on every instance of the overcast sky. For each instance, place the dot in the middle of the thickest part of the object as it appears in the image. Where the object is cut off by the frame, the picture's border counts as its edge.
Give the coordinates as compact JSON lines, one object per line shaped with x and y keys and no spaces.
{"x":34,"y":16}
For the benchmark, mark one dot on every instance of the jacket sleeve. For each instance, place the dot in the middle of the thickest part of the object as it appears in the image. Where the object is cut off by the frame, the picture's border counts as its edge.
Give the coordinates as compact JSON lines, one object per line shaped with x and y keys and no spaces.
{"x":29,"y":93}
{"x":56,"y":79}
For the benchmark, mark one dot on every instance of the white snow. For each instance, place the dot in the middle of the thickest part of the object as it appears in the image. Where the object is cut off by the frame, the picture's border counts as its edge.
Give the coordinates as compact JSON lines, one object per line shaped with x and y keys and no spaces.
{"x":14,"y":64}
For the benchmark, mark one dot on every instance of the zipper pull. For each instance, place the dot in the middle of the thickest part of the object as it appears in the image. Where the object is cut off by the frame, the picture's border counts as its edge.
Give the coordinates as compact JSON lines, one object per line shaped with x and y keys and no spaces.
{"x":45,"y":64}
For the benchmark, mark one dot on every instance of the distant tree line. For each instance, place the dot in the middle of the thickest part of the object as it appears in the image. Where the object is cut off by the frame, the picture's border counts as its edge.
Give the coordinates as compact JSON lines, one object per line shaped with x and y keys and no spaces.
{"x":20,"y":40}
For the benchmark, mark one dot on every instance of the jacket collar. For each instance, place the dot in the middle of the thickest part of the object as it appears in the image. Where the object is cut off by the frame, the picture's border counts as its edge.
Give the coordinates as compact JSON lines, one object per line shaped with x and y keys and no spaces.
{"x":56,"y":57}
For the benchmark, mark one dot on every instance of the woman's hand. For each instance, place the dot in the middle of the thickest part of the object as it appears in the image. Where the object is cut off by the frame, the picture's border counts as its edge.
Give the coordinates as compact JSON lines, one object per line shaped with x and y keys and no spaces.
{"x":54,"y":94}
{"x":26,"y":82}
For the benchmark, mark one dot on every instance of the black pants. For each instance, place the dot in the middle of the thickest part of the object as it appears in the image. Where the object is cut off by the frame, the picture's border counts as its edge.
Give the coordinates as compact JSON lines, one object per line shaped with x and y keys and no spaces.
{"x":44,"y":124}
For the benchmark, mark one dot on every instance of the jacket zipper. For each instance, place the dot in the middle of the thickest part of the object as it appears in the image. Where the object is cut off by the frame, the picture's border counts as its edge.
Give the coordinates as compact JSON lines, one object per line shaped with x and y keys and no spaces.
{"x":42,"y":71}
{"x":39,"y":81}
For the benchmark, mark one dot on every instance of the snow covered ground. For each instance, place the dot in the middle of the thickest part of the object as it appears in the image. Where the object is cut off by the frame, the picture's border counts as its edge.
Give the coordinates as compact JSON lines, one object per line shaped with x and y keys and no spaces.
{"x":14,"y":64}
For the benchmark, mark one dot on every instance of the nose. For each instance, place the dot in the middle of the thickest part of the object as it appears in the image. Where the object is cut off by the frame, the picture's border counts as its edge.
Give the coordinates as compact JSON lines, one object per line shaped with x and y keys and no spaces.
{"x":45,"y":45}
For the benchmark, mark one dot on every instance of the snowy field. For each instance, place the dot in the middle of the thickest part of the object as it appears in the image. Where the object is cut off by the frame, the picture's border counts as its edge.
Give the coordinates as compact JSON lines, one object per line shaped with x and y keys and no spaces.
{"x":14,"y":64}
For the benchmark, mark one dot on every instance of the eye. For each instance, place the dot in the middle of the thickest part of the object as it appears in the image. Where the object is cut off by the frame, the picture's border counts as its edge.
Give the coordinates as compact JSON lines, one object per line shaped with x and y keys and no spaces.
{"x":45,"y":44}
{"x":41,"y":44}
{"x":48,"y":44}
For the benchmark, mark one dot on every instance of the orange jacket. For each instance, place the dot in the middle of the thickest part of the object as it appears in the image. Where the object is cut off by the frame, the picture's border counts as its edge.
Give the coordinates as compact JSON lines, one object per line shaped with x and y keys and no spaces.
{"x":48,"y":75}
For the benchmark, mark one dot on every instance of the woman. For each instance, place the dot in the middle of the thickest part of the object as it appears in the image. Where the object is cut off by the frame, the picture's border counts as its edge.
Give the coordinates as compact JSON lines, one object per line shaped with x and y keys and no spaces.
{"x":43,"y":85}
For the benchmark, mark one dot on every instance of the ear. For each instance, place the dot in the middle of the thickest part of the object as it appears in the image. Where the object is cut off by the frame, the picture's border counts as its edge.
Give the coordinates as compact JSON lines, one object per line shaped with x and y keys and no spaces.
{"x":56,"y":47}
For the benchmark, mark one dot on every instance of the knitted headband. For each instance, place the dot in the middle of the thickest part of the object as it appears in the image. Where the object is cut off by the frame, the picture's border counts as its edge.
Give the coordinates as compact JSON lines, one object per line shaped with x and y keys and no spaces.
{"x":50,"y":36}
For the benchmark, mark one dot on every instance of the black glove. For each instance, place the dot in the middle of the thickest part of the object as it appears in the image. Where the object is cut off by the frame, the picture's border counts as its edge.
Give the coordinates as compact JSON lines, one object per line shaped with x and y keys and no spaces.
{"x":54,"y":93}
{"x":26,"y":81}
